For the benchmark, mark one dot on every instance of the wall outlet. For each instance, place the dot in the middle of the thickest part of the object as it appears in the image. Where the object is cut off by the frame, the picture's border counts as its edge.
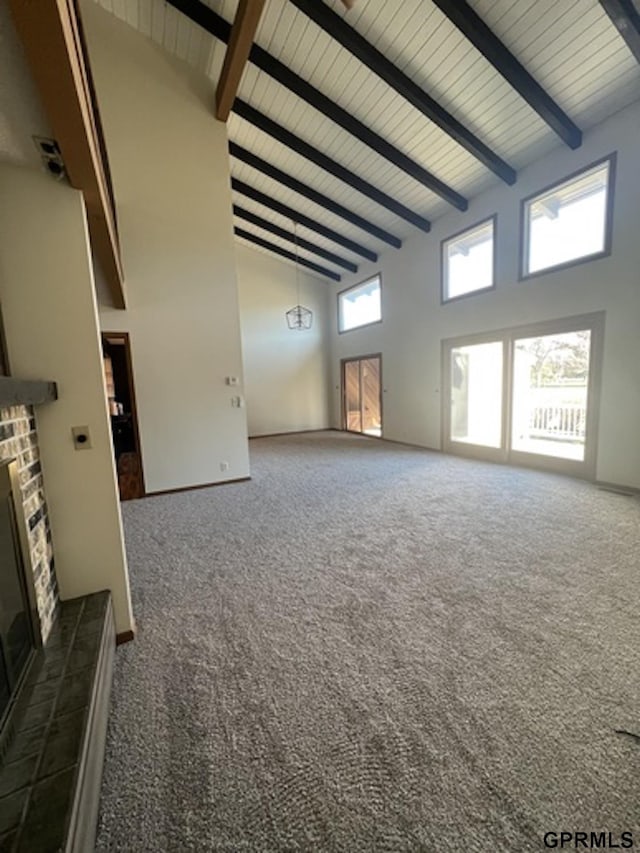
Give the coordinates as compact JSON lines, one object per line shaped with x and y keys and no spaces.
{"x":232,"y":380}
{"x":224,"y":466}
{"x":81,"y":437}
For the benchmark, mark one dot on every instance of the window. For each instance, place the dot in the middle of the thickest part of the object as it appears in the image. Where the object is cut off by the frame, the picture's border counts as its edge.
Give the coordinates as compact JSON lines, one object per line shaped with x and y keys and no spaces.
{"x":569,"y":222}
{"x":468,"y":261}
{"x":360,"y":305}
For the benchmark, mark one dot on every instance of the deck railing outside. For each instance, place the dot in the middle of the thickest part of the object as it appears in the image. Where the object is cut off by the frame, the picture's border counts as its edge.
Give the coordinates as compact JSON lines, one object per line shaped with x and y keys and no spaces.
{"x":562,"y":422}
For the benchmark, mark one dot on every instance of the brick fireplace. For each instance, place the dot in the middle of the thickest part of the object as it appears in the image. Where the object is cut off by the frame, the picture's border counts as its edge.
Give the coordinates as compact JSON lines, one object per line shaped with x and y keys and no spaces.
{"x":18,"y":440}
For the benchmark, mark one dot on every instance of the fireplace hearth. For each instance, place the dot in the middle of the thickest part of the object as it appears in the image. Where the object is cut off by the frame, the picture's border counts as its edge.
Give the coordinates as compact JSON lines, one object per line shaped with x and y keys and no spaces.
{"x":51,"y":772}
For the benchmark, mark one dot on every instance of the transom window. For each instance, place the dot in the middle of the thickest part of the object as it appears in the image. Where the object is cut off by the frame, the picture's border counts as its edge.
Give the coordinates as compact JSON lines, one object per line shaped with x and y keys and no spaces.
{"x":468,"y":261}
{"x":568,"y":222}
{"x":360,"y":305}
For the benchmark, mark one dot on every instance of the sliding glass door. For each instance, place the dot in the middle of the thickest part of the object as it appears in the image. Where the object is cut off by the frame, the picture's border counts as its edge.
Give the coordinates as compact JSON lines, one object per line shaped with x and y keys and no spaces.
{"x":362,"y":394}
{"x":526,"y":395}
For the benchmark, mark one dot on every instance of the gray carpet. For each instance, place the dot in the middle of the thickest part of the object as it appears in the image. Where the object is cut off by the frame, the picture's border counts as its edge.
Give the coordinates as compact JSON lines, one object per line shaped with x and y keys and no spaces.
{"x":375,"y":648}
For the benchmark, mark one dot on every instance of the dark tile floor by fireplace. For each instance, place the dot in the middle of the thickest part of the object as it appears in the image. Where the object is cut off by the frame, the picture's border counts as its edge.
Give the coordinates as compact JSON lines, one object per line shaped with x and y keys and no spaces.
{"x":39,"y":773}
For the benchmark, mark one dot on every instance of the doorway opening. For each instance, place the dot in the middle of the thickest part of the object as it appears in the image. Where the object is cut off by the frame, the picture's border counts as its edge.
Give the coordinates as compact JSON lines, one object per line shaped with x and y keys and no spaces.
{"x":362,"y":395}
{"x":526,"y":395}
{"x":118,"y":376}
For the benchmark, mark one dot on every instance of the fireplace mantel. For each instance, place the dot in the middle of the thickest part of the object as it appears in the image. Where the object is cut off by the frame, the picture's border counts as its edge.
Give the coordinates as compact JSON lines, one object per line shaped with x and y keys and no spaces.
{"x":26,"y":392}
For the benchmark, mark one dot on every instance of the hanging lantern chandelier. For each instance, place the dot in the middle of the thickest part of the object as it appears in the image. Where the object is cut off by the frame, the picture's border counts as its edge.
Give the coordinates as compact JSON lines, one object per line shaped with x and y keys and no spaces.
{"x":298,"y":317}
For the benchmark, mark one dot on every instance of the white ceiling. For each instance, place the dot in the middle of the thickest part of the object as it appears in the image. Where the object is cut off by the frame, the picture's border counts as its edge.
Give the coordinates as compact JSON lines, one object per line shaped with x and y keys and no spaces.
{"x":570,"y":47}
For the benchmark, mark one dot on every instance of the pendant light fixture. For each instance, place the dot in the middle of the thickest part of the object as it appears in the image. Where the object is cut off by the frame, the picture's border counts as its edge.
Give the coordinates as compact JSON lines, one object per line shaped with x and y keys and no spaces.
{"x":298,"y":317}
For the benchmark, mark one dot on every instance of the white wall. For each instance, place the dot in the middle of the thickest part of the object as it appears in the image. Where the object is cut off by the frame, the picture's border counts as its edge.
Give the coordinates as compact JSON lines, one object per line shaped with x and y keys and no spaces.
{"x":170,"y":169}
{"x":286,"y":372}
{"x":414,"y":321}
{"x":51,"y":324}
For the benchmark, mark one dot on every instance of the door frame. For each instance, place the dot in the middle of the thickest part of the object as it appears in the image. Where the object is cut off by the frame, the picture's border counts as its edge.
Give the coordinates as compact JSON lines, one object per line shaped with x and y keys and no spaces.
{"x":585,"y":469}
{"x":343,"y":392}
{"x":124,"y":339}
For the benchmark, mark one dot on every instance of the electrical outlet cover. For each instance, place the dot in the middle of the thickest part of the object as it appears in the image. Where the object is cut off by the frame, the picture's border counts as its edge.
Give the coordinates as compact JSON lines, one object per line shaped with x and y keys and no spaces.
{"x":81,"y":437}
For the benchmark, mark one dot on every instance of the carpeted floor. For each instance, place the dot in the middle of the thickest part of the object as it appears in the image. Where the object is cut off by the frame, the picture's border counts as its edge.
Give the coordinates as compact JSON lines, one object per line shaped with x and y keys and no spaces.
{"x":374,"y":648}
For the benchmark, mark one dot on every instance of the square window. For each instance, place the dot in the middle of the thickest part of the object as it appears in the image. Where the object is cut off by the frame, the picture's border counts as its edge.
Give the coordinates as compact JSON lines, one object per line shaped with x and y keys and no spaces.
{"x":360,"y":305}
{"x":468,"y":261}
{"x":568,"y":222}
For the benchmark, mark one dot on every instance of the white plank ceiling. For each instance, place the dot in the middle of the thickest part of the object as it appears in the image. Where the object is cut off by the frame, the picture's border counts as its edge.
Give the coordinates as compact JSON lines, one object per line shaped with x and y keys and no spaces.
{"x":569,"y":46}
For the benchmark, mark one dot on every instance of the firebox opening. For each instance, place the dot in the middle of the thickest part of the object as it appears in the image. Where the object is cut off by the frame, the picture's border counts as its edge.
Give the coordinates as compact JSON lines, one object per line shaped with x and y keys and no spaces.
{"x":19,"y":635}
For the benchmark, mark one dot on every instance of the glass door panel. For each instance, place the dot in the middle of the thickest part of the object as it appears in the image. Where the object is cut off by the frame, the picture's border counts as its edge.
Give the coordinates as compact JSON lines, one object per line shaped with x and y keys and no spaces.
{"x":370,"y":386}
{"x":476,"y":394}
{"x":550,"y":394}
{"x":352,"y":409}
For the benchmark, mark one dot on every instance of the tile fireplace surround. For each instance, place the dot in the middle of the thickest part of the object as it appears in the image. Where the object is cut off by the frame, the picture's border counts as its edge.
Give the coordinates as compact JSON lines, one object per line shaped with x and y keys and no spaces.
{"x":52,"y":742}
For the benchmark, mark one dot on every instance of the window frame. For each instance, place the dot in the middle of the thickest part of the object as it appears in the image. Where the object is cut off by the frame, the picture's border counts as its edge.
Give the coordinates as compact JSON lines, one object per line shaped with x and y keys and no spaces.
{"x":341,"y":293}
{"x":444,"y":277}
{"x":523,"y":275}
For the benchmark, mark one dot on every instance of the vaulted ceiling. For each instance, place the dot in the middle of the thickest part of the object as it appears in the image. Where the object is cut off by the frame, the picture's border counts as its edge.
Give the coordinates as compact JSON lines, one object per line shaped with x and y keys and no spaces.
{"x":364,"y":125}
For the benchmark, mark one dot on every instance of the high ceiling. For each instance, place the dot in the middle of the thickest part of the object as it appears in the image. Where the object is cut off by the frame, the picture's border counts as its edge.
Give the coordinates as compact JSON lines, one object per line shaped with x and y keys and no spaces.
{"x":571,"y":49}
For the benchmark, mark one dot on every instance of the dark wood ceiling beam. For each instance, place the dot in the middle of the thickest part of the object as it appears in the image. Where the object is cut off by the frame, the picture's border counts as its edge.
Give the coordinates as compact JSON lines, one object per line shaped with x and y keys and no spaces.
{"x":344,"y":119}
{"x":204,"y":17}
{"x":51,"y":38}
{"x":242,"y":34}
{"x":220,"y":29}
{"x":484,"y":39}
{"x":278,"y":250}
{"x":254,"y":219}
{"x":324,"y":201}
{"x":211,"y":21}
{"x":626,"y":20}
{"x":301,"y":219}
{"x":377,"y":62}
{"x":284,"y":136}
